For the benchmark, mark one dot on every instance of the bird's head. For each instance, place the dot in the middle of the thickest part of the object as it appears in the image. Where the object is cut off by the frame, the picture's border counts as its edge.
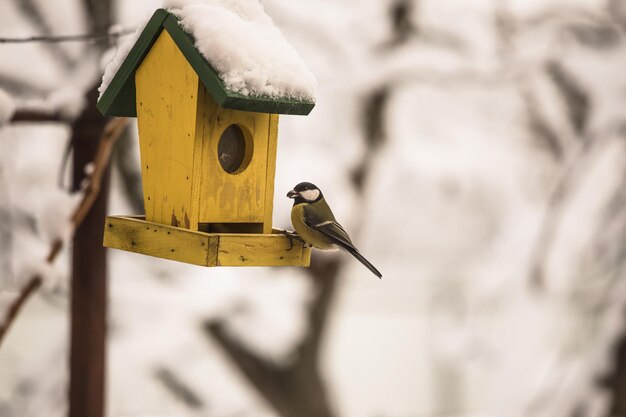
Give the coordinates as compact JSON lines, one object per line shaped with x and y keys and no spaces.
{"x":305,"y":192}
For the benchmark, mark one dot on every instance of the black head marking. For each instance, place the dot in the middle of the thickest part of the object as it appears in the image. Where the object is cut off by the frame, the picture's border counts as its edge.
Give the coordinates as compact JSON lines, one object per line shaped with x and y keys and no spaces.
{"x":303,"y":187}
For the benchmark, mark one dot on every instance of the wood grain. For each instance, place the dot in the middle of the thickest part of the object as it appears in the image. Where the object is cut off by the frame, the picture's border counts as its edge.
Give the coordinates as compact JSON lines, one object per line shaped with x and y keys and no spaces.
{"x":167,"y":89}
{"x":167,"y":242}
{"x":134,"y":234}
{"x":272,"y":145}
{"x":260,"y":249}
{"x":232,"y":198}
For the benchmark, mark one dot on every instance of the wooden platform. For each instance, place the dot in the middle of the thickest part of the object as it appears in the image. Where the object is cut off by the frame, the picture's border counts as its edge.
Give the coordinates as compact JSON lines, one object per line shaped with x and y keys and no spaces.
{"x":134,"y":234}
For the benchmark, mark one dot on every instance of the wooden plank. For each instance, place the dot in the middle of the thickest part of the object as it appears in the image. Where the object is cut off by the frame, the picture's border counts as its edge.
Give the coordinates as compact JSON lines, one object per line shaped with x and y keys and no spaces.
{"x":167,"y":89}
{"x":232,"y":198}
{"x":198,"y":152}
{"x":206,"y":249}
{"x":306,"y":256}
{"x":260,"y":250}
{"x":165,"y":242}
{"x":272,"y":144}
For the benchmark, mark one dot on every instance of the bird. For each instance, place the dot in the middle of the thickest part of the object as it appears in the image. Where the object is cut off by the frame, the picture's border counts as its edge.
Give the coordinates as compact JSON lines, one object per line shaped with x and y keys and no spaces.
{"x":314,"y":222}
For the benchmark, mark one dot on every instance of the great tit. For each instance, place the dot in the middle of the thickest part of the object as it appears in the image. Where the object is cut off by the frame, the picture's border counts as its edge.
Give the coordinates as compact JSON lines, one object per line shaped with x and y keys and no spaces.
{"x":316,"y":225}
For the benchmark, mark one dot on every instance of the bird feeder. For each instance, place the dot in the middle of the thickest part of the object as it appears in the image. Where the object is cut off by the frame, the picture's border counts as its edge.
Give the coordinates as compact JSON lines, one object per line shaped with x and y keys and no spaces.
{"x":208,"y":157}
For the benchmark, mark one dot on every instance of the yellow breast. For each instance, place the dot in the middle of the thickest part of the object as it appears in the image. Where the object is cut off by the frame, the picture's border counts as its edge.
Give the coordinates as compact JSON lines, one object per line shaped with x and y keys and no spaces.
{"x":312,"y":236}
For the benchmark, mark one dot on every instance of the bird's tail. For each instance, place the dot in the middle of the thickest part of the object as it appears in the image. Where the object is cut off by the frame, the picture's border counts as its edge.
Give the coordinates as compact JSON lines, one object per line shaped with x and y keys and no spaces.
{"x":364,"y":261}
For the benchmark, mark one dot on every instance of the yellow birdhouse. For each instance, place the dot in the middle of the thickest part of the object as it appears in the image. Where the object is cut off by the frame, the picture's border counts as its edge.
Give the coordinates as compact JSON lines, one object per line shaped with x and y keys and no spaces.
{"x":208,"y":156}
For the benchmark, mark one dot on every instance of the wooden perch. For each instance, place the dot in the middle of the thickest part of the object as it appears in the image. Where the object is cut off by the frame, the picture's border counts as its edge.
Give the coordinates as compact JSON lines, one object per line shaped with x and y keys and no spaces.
{"x":112,"y":131}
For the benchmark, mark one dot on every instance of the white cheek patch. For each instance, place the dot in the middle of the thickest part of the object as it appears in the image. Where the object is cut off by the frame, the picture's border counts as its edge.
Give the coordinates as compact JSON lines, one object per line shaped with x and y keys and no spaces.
{"x":310,"y":195}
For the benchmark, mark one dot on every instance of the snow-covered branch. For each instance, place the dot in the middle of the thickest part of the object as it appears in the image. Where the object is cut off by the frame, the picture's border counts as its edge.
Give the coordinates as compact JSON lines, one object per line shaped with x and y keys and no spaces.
{"x":111,"y":133}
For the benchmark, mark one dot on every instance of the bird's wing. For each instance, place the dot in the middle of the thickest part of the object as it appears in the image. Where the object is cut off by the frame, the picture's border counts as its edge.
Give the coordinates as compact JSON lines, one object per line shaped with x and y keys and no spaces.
{"x":325,"y":223}
{"x":337,"y":235}
{"x":335,"y":232}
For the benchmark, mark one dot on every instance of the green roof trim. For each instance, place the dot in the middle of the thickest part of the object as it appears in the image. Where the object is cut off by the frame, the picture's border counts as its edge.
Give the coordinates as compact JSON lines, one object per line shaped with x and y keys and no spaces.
{"x":119,"y":98}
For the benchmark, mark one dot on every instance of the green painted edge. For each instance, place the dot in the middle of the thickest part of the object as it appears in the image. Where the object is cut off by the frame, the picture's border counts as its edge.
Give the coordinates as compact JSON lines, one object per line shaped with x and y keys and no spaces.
{"x":119,"y":99}
{"x":216,"y":88}
{"x":206,"y":73}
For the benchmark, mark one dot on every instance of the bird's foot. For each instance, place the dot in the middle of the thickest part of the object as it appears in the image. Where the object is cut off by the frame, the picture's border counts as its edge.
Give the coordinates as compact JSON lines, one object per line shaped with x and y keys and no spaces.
{"x":292,"y":235}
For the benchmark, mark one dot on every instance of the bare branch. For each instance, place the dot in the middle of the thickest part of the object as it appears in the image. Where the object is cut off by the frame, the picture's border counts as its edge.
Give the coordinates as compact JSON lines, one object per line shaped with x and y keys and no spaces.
{"x":39,"y":20}
{"x":178,"y":388}
{"x":297,"y":389}
{"x":69,"y":38}
{"x":31,"y":286}
{"x":577,"y":99}
{"x":28,"y":115}
{"x":324,"y":273}
{"x":112,"y":131}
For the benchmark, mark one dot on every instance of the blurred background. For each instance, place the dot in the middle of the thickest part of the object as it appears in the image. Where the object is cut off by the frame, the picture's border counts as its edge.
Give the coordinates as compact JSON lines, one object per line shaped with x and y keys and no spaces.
{"x":475,"y":151}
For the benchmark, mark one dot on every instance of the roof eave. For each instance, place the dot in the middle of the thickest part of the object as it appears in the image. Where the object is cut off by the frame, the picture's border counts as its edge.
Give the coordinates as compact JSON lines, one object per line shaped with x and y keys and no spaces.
{"x":119,"y":99}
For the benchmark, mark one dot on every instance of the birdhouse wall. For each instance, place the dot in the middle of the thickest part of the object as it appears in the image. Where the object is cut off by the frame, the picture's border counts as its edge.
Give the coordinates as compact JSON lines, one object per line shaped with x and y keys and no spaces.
{"x":167,"y":90}
{"x":180,"y":126}
{"x":246,"y":197}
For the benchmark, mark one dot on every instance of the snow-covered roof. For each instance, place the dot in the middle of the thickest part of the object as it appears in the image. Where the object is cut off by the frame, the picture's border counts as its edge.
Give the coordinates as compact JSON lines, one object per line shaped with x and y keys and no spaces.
{"x":240,"y":56}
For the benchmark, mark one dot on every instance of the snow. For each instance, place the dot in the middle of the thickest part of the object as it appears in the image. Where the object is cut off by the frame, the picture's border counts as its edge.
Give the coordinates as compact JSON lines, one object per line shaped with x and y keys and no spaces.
{"x":54,"y":216}
{"x":270,"y":327}
{"x":68,"y":102}
{"x":7,"y":107}
{"x":40,"y":210}
{"x":114,"y":60}
{"x":90,"y":168}
{"x":50,"y":276}
{"x":240,"y":41}
{"x":453,"y":209}
{"x":33,"y":64}
{"x":242,"y":44}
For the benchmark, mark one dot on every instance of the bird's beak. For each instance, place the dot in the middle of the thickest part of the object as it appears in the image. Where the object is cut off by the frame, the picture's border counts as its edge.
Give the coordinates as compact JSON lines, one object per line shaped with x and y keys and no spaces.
{"x":293,"y":194}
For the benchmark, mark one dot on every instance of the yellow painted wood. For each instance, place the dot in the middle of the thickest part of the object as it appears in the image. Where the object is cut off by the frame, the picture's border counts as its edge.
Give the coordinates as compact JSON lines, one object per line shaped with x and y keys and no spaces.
{"x":137,"y":235}
{"x":261,"y":249}
{"x":197,"y":180}
{"x":224,"y":197}
{"x":180,"y":126}
{"x":167,"y":242}
{"x":272,"y":144}
{"x":167,"y":97}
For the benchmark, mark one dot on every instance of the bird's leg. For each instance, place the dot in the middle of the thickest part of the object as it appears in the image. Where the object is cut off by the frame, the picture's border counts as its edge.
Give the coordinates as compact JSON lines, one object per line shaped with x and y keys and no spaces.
{"x":291,"y":235}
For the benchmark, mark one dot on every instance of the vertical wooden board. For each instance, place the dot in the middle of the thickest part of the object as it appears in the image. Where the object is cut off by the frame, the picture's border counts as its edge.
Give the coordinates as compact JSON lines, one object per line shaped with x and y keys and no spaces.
{"x":167,"y":89}
{"x":236,"y":198}
{"x":202,"y":114}
{"x":272,"y":145}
